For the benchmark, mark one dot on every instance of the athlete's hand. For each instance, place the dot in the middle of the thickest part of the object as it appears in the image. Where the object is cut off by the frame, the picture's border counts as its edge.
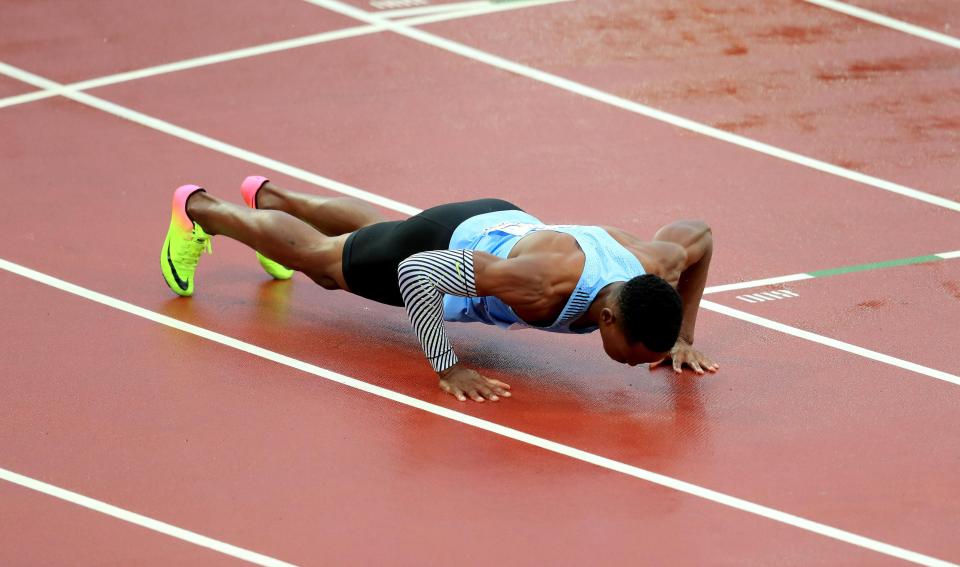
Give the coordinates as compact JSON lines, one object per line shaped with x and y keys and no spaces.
{"x":682,"y":353}
{"x":464,"y":382}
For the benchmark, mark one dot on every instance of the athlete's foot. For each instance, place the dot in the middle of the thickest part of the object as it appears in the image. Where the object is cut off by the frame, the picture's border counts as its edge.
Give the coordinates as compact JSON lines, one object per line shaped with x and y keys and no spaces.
{"x":184,"y":244}
{"x":256,"y":193}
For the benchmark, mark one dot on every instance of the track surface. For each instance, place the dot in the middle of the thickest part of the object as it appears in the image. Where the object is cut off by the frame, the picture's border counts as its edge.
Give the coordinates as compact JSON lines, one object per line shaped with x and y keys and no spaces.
{"x":270,"y":459}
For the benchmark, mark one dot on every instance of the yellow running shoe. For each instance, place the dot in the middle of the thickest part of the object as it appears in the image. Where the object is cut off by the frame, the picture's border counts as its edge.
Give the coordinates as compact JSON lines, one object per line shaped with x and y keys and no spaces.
{"x":248,"y":190}
{"x":184,"y":244}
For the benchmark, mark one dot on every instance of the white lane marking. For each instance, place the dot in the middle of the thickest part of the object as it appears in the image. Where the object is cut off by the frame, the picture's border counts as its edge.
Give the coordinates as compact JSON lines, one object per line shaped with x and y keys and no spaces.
{"x":28,"y":97}
{"x":888,"y":22}
{"x":830,"y":342}
{"x":466,"y":10}
{"x":791,"y":278}
{"x":431,"y":9}
{"x":141,"y":520}
{"x":388,"y":4}
{"x":757,"y":283}
{"x":517,"y":435}
{"x":768,"y":296}
{"x":607,"y":98}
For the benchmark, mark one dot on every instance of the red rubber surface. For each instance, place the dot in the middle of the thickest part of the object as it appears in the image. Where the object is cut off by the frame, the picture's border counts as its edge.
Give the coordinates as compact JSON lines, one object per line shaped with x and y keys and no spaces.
{"x":70,"y":42}
{"x":792,"y":74}
{"x":324,"y":469}
{"x":9,"y":87}
{"x":41,"y":530}
{"x":290,"y":465}
{"x":897,"y":311}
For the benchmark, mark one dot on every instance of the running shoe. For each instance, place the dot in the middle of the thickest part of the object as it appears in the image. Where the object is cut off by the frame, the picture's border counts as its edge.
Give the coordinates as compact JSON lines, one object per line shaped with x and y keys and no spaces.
{"x":248,"y":190}
{"x":184,"y":244}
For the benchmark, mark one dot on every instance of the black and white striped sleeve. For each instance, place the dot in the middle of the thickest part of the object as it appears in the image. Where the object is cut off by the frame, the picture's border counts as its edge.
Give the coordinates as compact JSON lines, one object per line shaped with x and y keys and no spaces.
{"x":424,"y":278}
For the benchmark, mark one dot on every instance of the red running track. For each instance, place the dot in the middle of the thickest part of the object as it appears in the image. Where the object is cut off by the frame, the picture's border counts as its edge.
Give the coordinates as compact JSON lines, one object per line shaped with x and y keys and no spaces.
{"x":267,"y":458}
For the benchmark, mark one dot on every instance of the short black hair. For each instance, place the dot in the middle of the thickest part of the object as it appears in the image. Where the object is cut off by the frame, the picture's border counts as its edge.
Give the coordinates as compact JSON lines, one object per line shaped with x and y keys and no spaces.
{"x":650,"y":312}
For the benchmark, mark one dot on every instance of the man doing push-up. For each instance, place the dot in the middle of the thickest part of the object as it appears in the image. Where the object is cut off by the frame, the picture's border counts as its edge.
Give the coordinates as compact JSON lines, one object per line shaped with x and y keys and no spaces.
{"x":485,"y":260}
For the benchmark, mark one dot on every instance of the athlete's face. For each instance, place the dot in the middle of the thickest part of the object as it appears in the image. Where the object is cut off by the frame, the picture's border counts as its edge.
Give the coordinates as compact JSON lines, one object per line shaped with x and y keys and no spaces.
{"x":617,"y":347}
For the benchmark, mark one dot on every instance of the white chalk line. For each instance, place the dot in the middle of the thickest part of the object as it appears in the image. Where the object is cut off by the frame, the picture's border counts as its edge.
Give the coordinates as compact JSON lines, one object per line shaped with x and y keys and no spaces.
{"x":888,"y":22}
{"x":140,"y":520}
{"x":757,"y":283}
{"x":431,"y":9}
{"x":495,"y":428}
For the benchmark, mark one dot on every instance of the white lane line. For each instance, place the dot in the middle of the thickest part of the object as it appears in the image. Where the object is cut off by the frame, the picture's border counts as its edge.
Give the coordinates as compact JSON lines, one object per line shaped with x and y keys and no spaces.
{"x":467,"y":10}
{"x":827,"y":341}
{"x":606,"y":98}
{"x":757,"y":283}
{"x":888,"y":22}
{"x":140,"y":520}
{"x":517,"y":435}
{"x":431,"y":9}
{"x":948,"y":255}
{"x":28,"y":97}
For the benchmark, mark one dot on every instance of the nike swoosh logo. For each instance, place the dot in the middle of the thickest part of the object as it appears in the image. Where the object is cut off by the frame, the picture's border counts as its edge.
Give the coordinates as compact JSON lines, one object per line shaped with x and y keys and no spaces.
{"x":184,"y":285}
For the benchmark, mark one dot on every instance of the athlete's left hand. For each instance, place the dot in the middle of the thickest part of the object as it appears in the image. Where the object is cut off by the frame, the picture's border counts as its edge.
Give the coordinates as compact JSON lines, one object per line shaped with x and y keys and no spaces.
{"x":683,"y":353}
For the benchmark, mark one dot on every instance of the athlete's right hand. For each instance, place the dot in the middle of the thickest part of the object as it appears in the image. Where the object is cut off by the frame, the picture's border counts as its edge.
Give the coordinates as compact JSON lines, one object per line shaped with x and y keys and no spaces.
{"x":463,"y":382}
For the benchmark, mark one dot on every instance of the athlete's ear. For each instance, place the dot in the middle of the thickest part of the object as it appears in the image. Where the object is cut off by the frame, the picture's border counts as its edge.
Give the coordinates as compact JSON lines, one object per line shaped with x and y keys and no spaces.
{"x":607,"y":316}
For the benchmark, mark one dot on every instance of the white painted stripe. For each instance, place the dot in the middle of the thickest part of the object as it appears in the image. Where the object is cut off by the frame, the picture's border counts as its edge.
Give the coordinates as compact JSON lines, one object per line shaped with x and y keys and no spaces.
{"x":431,"y":9}
{"x":949,"y":255}
{"x":517,"y":435}
{"x":600,"y":96}
{"x":757,"y":283}
{"x":827,"y":341}
{"x":745,"y":298}
{"x":140,"y":520}
{"x":28,"y":97}
{"x":888,"y":22}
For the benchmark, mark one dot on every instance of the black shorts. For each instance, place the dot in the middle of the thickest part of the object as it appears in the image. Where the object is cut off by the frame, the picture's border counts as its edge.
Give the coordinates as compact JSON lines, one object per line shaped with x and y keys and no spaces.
{"x":372,"y":254}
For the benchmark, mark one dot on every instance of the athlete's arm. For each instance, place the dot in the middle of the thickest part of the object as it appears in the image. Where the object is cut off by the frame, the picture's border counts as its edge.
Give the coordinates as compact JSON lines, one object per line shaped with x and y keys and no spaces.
{"x":696,"y":240}
{"x":425,"y":277}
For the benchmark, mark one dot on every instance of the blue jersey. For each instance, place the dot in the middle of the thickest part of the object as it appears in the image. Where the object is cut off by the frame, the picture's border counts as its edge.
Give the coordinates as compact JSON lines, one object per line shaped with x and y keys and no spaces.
{"x":496,"y":233}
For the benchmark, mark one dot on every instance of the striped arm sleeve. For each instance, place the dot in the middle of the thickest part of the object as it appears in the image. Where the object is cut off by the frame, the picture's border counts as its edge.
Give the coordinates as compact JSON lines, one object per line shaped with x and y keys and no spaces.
{"x":424,"y":278}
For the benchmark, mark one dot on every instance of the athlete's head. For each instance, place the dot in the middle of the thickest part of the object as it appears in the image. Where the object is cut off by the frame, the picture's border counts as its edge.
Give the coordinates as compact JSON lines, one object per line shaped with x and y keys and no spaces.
{"x":642,"y":321}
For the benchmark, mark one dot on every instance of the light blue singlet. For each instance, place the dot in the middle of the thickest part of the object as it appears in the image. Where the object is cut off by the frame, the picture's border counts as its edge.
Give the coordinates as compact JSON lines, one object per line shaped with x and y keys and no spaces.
{"x":496,"y":233}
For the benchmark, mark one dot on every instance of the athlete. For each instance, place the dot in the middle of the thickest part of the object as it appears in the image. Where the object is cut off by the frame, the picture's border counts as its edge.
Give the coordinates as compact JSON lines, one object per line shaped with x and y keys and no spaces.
{"x":485,"y":261}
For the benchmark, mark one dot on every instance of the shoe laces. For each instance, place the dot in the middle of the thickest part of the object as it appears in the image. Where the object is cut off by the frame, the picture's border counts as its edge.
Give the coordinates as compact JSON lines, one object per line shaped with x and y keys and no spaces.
{"x":189,"y":253}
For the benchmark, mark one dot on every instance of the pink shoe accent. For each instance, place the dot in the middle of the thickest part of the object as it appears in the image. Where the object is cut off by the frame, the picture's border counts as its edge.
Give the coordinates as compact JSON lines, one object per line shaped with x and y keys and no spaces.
{"x":249,"y":188}
{"x":180,"y":196}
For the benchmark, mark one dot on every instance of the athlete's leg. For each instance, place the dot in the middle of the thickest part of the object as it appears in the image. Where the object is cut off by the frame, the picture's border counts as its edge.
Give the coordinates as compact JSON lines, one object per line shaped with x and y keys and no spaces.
{"x":332,"y":216}
{"x":274,"y":234}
